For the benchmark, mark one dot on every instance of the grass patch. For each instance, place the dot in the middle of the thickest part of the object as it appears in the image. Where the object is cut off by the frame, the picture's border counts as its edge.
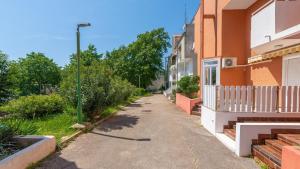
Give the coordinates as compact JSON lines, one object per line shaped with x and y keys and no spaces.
{"x":261,"y":164}
{"x":56,"y":125}
{"x":109,"y":111}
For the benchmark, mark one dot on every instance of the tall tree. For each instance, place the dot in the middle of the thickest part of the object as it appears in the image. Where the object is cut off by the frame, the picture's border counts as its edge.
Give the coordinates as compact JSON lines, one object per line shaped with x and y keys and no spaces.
{"x":35,"y":74}
{"x":4,"y":80}
{"x":87,"y":56}
{"x":141,"y":61}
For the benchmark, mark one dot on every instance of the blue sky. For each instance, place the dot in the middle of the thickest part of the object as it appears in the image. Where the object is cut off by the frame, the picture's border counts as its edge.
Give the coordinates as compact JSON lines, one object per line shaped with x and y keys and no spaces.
{"x":48,"y":26}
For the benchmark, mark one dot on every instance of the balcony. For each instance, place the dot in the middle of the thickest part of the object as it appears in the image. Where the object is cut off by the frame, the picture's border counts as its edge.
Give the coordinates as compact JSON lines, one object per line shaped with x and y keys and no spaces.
{"x":275,"y":26}
{"x":252,"y":99}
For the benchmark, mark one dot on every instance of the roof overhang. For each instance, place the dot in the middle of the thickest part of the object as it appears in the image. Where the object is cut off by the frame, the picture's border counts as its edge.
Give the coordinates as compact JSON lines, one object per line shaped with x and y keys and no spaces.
{"x":239,"y":4}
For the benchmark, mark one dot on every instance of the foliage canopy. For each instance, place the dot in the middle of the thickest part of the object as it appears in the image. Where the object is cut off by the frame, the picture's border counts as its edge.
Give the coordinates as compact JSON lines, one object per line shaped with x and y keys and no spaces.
{"x":4,"y":78}
{"x":140,"y":59}
{"x":34,"y":74}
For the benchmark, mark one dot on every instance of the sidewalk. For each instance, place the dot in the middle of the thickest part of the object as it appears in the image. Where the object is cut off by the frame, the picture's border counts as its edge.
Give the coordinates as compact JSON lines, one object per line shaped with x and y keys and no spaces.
{"x":150,"y":134}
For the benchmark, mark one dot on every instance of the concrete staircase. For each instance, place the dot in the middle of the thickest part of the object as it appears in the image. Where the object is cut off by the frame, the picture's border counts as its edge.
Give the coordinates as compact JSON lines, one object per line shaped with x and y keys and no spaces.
{"x":268,"y":147}
{"x":230,"y":128}
{"x":197,"y":110}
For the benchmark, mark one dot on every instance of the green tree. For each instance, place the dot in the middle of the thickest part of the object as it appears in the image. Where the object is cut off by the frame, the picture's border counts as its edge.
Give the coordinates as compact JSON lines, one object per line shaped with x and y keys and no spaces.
{"x":99,"y":87}
{"x":5,"y":84}
{"x":88,"y":56}
{"x":35,"y":74}
{"x":142,"y":58}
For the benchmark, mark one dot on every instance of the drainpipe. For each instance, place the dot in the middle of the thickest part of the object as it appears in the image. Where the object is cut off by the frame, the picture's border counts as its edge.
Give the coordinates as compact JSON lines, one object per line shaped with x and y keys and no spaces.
{"x":202,"y":30}
{"x":202,"y":45}
{"x":216,"y":27}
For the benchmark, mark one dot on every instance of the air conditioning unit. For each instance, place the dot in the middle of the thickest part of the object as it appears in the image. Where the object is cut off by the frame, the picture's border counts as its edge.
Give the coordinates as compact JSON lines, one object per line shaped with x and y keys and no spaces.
{"x":229,"y":62}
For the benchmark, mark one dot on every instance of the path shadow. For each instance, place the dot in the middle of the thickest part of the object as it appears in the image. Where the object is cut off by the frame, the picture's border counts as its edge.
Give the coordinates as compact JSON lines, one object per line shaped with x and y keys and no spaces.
{"x":123,"y":138}
{"x":118,"y":122}
{"x":56,"y":162}
{"x":134,"y":105}
{"x":146,"y":111}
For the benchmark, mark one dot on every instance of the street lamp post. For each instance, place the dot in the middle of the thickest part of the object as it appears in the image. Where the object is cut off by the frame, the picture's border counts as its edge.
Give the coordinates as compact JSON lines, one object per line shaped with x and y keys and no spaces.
{"x":139,"y":81}
{"x":79,"y":104}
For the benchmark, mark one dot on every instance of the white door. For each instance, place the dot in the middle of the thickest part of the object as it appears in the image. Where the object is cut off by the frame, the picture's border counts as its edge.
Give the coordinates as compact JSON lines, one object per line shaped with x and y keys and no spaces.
{"x":292,"y":71}
{"x":211,"y":72}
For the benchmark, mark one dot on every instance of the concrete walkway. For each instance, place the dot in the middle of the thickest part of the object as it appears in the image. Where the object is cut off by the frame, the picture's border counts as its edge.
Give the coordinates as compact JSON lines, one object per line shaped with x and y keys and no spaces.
{"x":149,"y":134}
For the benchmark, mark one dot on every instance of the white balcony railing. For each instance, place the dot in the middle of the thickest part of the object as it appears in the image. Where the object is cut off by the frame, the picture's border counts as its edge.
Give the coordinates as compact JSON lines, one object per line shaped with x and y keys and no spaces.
{"x":259,"y":99}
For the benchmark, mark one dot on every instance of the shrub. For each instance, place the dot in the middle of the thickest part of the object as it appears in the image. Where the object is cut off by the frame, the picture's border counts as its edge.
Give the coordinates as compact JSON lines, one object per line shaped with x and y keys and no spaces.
{"x":139,"y":92}
{"x":20,"y":126}
{"x":6,"y":133}
{"x":119,"y":91}
{"x":99,"y":87}
{"x":189,"y":86}
{"x":35,"y":106}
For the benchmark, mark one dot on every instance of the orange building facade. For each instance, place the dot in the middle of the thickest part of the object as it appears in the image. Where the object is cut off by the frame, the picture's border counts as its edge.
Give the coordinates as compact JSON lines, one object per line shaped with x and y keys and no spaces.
{"x":234,"y":31}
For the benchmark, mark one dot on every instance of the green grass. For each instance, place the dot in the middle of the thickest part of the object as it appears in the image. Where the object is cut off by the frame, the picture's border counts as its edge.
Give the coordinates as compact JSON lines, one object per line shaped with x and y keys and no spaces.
{"x":261,"y":164}
{"x":109,"y":111}
{"x":264,"y":166}
{"x":57,"y":125}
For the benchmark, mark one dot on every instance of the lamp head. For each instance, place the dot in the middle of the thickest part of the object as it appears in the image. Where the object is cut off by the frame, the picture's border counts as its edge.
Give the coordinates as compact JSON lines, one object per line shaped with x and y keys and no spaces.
{"x":83,"y":25}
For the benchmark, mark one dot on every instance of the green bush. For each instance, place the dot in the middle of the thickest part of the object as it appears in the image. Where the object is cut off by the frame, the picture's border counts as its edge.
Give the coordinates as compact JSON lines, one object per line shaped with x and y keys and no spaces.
{"x":119,"y":91}
{"x":139,"y":92}
{"x":35,"y":106}
{"x":99,"y":87}
{"x":188,"y":86}
{"x":6,"y":133}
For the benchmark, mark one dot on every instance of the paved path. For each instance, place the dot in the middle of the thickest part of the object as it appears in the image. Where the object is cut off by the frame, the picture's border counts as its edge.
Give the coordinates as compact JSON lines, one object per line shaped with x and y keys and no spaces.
{"x":149,"y":134}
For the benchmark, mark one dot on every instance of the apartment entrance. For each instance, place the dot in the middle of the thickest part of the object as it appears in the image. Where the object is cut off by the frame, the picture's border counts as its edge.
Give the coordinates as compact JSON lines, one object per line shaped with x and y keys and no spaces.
{"x":291,"y":70}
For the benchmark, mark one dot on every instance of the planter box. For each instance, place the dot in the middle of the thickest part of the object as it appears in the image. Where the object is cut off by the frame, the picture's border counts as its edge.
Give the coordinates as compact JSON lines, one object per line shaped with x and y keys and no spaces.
{"x":185,"y":103}
{"x":290,"y":157}
{"x":39,"y":148}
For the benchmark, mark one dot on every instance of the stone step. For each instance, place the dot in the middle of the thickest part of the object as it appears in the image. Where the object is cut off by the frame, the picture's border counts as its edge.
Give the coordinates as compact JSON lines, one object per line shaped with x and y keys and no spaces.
{"x":276,"y":144}
{"x":196,"y":113}
{"x":292,"y":139}
{"x":268,"y":155}
{"x":285,"y":131}
{"x":268,"y":119}
{"x":228,"y":127}
{"x":231,"y":123}
{"x":230,"y":133}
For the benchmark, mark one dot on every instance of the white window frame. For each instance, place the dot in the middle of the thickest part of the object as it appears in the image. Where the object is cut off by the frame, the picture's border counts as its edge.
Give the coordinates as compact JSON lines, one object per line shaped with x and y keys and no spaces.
{"x":284,"y":59}
{"x":218,"y":65}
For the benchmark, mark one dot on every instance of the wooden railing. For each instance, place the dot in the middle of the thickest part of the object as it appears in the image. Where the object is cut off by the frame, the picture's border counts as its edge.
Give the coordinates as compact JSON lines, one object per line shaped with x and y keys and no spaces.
{"x":272,"y":99}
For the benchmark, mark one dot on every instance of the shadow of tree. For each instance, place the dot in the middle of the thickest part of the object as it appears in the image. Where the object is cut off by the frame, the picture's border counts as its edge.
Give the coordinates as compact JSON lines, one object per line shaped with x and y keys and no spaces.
{"x":118,"y":122}
{"x":57,"y":162}
{"x":134,"y":105}
{"x":120,"y":137}
{"x":146,"y":111}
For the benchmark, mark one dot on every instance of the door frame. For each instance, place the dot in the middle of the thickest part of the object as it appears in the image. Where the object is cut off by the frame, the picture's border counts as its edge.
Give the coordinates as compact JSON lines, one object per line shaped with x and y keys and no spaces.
{"x":284,"y":59}
{"x":218,"y":69}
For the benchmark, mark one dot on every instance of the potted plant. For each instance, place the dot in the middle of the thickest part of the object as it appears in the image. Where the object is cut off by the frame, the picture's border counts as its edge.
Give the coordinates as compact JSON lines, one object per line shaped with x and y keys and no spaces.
{"x":187,"y":90}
